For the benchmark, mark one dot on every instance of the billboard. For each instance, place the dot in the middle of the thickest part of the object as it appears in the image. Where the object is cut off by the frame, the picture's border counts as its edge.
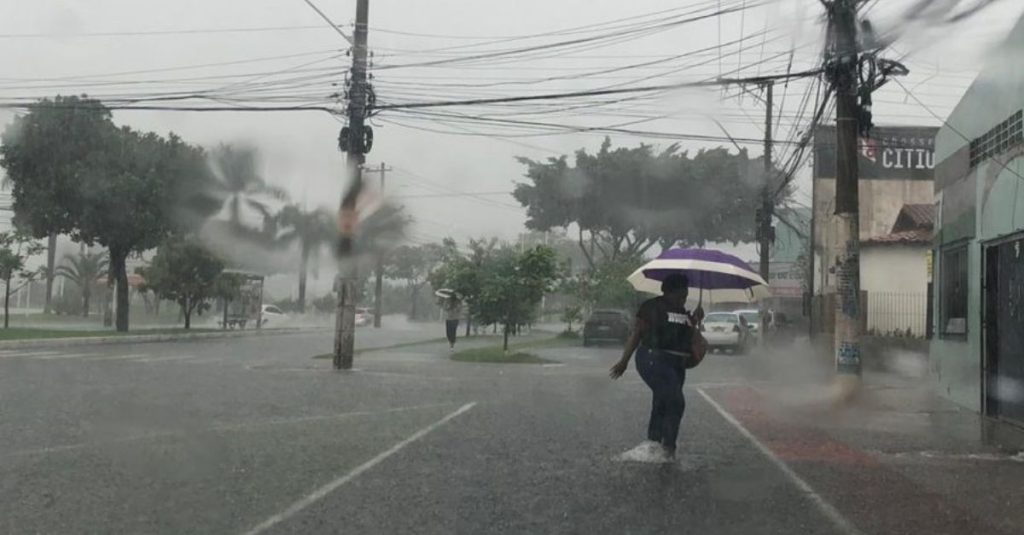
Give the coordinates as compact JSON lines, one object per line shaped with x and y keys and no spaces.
{"x":891,"y":153}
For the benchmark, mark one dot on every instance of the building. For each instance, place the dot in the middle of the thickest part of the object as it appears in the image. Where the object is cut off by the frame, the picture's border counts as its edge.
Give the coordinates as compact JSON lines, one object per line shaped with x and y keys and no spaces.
{"x":787,"y":265}
{"x":894,"y":273}
{"x":895,"y":187}
{"x":977,"y":354}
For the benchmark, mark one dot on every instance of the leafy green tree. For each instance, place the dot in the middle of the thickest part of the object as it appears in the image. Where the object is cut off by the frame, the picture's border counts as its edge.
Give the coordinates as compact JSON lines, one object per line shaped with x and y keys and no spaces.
{"x":15,"y":249}
{"x":84,"y":269}
{"x":464,"y":272}
{"x":312,"y":230}
{"x":184,"y":272}
{"x":45,"y":153}
{"x":135,"y":196}
{"x":412,"y":264}
{"x":572,"y":314}
{"x":624,"y":201}
{"x":513,"y":284}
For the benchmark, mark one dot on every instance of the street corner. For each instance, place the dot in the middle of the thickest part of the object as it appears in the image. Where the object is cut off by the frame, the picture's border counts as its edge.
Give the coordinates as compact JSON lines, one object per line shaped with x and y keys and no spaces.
{"x":854,"y":471}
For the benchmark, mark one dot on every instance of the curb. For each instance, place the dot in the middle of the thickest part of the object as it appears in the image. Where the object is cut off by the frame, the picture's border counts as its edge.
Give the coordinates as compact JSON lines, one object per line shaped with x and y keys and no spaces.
{"x":149,"y":338}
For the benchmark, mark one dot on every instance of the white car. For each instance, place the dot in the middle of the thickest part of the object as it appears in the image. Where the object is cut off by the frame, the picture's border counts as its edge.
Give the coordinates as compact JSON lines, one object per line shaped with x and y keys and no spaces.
{"x":724,"y":330}
{"x":272,"y":316}
{"x":364,"y":317}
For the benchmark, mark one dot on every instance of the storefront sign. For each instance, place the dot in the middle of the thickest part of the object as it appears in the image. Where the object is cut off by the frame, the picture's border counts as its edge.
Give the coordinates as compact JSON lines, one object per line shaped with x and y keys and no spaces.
{"x":891,"y":153}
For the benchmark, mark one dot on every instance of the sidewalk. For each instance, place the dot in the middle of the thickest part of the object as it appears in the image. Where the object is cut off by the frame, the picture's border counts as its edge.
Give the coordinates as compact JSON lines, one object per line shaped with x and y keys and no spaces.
{"x":897,"y":457}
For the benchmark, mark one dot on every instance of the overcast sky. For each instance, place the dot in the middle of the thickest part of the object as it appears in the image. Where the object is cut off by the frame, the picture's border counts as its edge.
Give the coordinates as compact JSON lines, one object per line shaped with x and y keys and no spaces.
{"x":51,"y":47}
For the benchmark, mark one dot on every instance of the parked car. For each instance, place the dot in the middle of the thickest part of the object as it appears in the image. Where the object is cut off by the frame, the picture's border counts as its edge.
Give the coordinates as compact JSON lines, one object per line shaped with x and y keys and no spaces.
{"x":606,"y":326}
{"x":725,"y":330}
{"x":273,"y":316}
{"x":364,"y":317}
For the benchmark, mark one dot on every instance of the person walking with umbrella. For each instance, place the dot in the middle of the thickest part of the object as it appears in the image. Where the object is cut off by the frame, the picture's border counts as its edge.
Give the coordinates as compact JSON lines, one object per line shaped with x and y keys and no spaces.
{"x":663,"y":339}
{"x":451,"y":307}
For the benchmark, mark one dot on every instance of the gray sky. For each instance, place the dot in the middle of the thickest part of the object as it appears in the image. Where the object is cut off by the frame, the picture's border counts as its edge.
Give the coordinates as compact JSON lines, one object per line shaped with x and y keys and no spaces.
{"x":300,"y":148}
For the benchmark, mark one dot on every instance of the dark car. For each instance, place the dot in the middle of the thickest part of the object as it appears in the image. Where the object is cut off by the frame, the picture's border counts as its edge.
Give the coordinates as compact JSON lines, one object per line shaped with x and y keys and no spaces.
{"x":606,"y":326}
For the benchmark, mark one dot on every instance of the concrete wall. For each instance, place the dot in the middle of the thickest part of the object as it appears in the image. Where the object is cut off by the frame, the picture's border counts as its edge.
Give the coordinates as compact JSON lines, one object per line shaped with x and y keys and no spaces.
{"x":895,"y":278}
{"x":894,"y":268}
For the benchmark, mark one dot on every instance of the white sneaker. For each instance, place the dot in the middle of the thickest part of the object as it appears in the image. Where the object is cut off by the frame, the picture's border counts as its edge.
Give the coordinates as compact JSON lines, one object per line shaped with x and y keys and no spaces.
{"x":647,"y":452}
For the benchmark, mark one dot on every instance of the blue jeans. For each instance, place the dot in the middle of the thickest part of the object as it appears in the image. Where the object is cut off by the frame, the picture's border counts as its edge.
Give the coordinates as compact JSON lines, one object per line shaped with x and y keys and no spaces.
{"x":665,"y":374}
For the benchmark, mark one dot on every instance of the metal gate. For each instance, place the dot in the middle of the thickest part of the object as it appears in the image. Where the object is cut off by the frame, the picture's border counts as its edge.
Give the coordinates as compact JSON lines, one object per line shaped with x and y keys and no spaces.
{"x":1004,"y":329}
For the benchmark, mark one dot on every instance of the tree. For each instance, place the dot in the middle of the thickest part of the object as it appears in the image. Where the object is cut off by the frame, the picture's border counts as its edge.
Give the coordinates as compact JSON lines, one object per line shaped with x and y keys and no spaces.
{"x":570,"y":314}
{"x":45,"y":152}
{"x":412,"y":264}
{"x":15,"y":249}
{"x":625,"y":201}
{"x":311,"y":230}
{"x":238,"y":181}
{"x":184,"y":272}
{"x":84,"y":270}
{"x":513,"y":284}
{"x":463,"y":272}
{"x":134,"y":196}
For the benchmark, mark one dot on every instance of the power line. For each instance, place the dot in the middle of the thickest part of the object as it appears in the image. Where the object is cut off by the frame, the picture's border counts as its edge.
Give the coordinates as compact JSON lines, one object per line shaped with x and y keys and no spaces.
{"x":595,"y":92}
{"x":563,"y":44}
{"x":328,"y":20}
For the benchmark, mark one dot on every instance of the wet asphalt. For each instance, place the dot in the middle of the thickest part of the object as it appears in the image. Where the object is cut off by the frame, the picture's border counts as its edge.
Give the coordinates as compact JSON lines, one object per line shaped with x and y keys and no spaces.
{"x":254,"y":436}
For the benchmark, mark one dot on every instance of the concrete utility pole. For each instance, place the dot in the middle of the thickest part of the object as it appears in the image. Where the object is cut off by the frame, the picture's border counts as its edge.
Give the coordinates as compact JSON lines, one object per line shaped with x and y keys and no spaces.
{"x":378,"y":288}
{"x":844,"y":74}
{"x":354,"y":140}
{"x":764,"y":230}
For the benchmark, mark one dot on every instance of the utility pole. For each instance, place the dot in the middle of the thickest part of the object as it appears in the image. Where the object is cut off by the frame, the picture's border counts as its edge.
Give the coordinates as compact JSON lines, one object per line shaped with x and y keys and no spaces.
{"x":844,"y":74}
{"x":378,"y":288}
{"x":764,"y":231}
{"x":355,"y":140}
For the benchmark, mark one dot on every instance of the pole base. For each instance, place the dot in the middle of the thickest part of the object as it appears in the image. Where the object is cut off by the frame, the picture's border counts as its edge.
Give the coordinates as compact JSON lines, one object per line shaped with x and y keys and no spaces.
{"x":845,"y":389}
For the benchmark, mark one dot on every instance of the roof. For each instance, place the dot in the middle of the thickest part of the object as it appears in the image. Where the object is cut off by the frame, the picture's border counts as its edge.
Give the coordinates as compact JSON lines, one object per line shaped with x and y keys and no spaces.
{"x":914,"y":225}
{"x":906,"y":237}
{"x":915,"y":216}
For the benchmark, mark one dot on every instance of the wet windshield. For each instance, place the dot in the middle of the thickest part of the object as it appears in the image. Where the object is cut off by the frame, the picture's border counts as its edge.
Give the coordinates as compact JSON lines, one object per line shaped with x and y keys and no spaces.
{"x":520,"y":266}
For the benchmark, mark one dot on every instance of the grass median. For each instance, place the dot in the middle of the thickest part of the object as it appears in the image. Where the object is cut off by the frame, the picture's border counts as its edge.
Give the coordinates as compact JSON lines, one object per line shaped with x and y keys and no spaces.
{"x":17,"y":333}
{"x":518,"y":353}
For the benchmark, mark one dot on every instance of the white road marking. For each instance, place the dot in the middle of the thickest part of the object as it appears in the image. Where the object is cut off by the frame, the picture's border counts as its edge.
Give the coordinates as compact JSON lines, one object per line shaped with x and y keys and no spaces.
{"x":222,"y":427}
{"x":7,"y":354}
{"x":827,"y":509}
{"x":64,"y":356}
{"x":168,"y":358}
{"x":101,"y":356}
{"x":323,"y":491}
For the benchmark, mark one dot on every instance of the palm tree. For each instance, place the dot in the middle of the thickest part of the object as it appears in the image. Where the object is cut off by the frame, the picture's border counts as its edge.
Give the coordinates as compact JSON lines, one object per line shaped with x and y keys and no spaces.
{"x":84,"y":270}
{"x":238,"y":180}
{"x":311,"y":229}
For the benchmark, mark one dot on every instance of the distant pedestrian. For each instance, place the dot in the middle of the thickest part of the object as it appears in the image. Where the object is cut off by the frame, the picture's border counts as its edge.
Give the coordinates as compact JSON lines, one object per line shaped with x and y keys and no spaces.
{"x":666,"y":342}
{"x":452,"y":309}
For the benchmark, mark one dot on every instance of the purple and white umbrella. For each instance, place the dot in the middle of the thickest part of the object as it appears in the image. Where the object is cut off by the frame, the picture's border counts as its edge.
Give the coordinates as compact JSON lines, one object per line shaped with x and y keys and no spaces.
{"x":715,"y":277}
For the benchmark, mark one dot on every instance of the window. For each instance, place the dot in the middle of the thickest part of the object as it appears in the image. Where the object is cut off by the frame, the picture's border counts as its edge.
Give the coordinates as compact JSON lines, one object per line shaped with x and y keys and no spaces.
{"x":998,"y":140}
{"x":722,"y":318}
{"x":953,"y":291}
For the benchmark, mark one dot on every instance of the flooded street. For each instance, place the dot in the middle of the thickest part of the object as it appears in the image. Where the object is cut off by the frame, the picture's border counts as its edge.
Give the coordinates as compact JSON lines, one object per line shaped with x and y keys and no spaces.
{"x":255,"y":436}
